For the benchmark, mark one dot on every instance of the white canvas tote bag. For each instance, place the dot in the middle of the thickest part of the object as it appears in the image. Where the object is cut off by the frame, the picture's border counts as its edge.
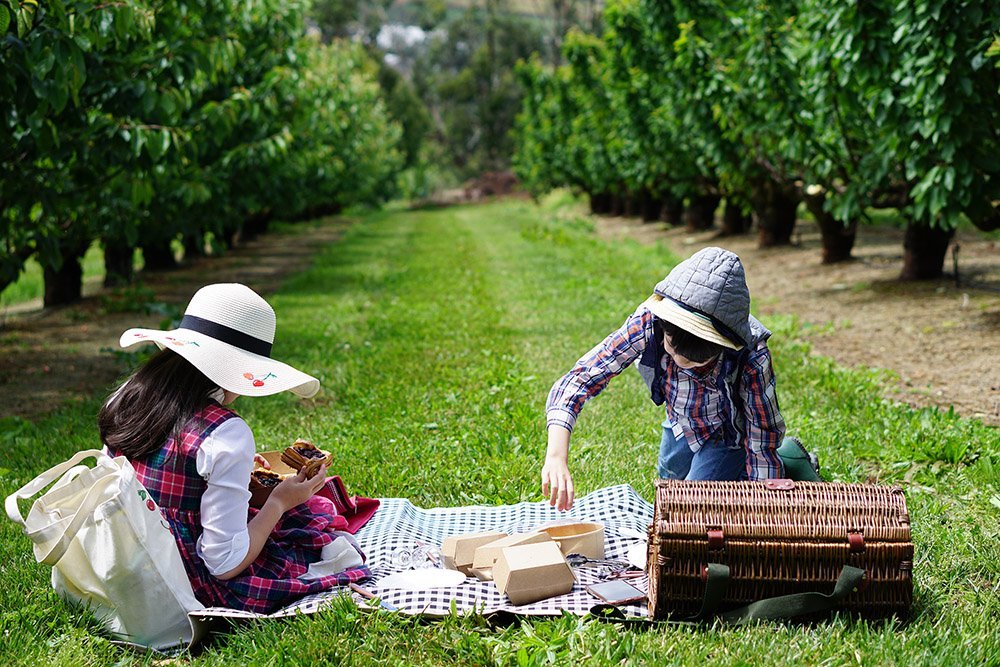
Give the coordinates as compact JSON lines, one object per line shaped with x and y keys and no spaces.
{"x":110,"y":549}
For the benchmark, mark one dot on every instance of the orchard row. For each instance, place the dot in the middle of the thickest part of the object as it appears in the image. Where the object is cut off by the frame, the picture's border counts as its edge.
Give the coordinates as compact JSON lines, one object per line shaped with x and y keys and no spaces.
{"x":844,"y":106}
{"x":140,"y":123}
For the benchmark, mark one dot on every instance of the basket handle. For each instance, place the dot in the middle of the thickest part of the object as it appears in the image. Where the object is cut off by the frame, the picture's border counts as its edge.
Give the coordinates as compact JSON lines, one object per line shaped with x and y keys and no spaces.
{"x":781,"y":607}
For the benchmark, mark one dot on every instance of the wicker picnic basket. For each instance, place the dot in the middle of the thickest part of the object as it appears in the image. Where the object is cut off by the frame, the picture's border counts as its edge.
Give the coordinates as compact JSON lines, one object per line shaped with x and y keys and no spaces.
{"x":778,"y":538}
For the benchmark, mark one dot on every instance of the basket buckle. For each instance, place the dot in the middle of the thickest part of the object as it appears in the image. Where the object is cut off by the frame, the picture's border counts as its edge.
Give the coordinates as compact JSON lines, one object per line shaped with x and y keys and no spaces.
{"x":779,"y":484}
{"x":716,"y":538}
{"x":856,"y":540}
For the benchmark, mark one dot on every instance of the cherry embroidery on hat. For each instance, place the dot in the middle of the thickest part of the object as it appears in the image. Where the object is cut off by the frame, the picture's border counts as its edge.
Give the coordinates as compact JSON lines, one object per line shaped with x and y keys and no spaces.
{"x":258,"y":382}
{"x":151,"y":505}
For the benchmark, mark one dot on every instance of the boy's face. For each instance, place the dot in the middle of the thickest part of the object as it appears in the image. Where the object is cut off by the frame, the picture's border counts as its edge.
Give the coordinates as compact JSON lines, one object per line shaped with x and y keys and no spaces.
{"x":683,"y":361}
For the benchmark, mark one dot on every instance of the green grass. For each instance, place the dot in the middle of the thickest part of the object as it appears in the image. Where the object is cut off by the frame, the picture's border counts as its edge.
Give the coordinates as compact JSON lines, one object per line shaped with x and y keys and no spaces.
{"x":437,"y":335}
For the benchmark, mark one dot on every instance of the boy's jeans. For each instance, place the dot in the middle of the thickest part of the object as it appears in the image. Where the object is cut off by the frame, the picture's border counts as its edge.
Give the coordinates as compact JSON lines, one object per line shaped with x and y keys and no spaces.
{"x":714,"y":461}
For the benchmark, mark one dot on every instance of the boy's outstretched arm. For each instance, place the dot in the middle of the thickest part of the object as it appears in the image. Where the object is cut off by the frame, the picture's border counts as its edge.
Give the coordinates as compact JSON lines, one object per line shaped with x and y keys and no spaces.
{"x":557,"y":482}
{"x":586,"y":379}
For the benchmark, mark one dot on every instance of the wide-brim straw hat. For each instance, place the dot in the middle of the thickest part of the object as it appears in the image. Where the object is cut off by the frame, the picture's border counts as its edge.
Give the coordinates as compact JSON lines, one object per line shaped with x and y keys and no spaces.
{"x":707,"y":296}
{"x":690,"y":321}
{"x":227,"y":332}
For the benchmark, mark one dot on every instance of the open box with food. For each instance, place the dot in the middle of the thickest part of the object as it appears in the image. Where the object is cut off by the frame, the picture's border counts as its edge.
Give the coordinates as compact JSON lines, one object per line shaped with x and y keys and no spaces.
{"x":301,"y":455}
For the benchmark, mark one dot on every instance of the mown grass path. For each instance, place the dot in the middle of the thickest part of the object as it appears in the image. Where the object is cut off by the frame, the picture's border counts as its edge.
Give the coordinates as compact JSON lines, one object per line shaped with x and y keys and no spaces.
{"x":437,"y":335}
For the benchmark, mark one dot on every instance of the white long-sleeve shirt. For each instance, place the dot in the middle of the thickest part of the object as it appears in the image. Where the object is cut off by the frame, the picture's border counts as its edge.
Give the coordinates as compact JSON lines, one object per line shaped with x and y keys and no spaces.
{"x":225,"y":460}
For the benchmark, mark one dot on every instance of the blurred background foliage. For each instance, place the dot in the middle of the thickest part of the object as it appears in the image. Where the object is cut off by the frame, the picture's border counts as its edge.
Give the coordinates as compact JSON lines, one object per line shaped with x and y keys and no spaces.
{"x":145,"y":126}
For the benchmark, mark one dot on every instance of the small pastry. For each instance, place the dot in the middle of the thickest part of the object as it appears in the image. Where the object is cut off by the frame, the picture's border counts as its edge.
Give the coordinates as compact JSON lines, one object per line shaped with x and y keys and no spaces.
{"x":303,"y":455}
{"x":262,"y":482}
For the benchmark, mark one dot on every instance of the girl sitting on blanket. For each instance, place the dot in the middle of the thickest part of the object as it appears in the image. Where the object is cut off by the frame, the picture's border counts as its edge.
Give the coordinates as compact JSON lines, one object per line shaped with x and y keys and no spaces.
{"x":194,"y":455}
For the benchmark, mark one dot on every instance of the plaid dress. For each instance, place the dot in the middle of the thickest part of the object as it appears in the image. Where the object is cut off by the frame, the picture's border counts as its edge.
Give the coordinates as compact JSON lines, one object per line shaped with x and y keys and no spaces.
{"x":273,"y":580}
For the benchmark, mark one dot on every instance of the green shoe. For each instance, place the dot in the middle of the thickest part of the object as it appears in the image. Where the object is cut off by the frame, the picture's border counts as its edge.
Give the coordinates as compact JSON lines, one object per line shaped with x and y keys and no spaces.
{"x":799,"y":464}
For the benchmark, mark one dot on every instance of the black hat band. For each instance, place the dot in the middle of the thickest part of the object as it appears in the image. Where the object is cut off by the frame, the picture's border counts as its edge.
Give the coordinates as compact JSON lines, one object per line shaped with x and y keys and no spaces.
{"x":224,"y":334}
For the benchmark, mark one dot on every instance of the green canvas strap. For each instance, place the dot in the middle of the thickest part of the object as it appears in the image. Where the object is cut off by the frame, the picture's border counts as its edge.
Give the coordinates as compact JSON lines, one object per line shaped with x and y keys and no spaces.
{"x":781,"y":607}
{"x":776,"y":608}
{"x":716,"y":584}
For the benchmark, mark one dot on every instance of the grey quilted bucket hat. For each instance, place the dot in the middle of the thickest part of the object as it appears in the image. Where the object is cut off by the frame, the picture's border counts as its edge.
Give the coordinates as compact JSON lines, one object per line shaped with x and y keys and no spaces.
{"x":707,"y":296}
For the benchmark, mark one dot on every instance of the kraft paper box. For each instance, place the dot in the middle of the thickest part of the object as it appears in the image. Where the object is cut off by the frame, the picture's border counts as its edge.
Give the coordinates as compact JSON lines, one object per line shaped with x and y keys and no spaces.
{"x":532,"y":572}
{"x":577,"y":537}
{"x":487,"y":554}
{"x":458,"y":550}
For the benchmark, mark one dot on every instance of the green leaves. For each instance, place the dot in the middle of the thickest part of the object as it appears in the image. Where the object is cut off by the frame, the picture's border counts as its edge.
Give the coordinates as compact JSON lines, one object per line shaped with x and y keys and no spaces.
{"x":139,"y":119}
{"x":885,"y":102}
{"x":24,"y":15}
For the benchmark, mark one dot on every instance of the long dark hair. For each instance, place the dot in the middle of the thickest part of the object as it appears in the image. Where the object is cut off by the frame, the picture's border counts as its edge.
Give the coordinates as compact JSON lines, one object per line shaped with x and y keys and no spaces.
{"x":153,"y":405}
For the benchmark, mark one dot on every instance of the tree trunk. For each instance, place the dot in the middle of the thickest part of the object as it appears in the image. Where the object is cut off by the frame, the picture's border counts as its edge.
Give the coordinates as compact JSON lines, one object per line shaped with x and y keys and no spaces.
{"x":118,"y":269}
{"x":774,"y":209}
{"x":318,"y":211}
{"x":617,"y":205}
{"x":838,"y":237}
{"x":651,"y":207}
{"x":673,"y":210}
{"x":65,"y":284}
{"x":924,"y":249}
{"x":256,"y":224}
{"x":600,"y":203}
{"x":159,"y":256}
{"x":735,"y":221}
{"x":194,"y":245}
{"x":700,"y":212}
{"x":629,"y":205}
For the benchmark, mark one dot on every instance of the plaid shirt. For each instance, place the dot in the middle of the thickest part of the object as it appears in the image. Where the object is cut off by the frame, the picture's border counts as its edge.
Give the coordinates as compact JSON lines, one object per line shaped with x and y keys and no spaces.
{"x":700,"y":405}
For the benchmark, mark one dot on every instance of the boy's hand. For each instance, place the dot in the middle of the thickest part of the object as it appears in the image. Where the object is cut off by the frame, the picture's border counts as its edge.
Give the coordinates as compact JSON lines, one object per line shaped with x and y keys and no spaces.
{"x":557,"y":483}
{"x":261,"y":462}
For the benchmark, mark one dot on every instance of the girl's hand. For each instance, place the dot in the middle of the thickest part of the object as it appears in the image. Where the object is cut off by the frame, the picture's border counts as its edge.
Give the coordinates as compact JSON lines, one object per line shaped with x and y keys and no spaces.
{"x":261,"y":462}
{"x":293,"y":491}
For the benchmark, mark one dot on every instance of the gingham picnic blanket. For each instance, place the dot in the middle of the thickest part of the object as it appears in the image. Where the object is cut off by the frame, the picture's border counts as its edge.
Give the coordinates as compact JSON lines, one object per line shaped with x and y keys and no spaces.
{"x":399,"y":527}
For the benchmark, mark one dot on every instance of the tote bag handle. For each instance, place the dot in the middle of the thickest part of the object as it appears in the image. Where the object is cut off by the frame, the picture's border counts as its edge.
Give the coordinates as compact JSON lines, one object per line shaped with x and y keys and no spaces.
{"x":95,"y":496}
{"x":43,"y":480}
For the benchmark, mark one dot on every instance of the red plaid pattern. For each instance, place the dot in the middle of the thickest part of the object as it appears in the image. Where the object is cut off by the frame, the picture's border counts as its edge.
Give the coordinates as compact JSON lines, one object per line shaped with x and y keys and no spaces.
{"x":273,"y":580}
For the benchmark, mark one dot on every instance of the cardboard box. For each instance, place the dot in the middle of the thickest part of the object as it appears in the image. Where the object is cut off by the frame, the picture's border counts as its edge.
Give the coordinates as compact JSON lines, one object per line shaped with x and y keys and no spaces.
{"x":532,"y":572}
{"x":584,"y":538}
{"x":487,"y":554}
{"x":458,"y":550}
{"x":277,"y":465}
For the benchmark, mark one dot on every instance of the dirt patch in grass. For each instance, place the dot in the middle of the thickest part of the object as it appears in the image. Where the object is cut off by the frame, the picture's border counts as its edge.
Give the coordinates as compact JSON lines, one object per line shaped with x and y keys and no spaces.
{"x":941,"y":341}
{"x":64,"y":354}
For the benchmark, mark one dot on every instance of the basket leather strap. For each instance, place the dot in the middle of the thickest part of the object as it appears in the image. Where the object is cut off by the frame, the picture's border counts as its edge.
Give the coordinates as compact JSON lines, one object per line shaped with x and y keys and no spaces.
{"x":781,"y":607}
